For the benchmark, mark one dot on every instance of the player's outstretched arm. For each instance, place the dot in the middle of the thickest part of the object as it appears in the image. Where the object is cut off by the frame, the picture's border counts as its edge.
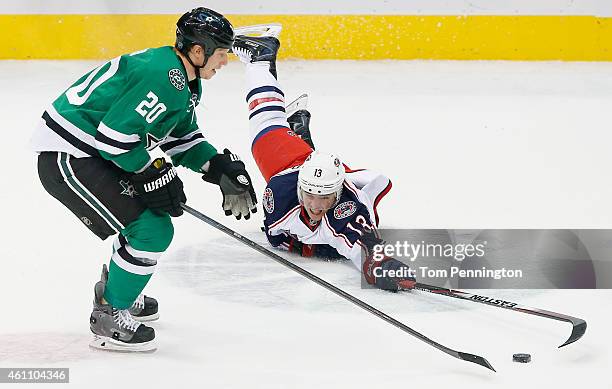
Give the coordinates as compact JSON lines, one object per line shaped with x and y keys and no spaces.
{"x":293,"y":245}
{"x":384,"y":272}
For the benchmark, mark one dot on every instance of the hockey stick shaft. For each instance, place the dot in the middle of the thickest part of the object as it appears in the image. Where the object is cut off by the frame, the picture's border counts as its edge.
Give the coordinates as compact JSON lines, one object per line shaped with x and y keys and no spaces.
{"x":578,"y":325}
{"x":457,"y":354}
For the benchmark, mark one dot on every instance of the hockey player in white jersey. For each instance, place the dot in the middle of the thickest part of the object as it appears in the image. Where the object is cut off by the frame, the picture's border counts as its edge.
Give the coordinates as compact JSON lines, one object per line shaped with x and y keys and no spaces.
{"x":314,"y":204}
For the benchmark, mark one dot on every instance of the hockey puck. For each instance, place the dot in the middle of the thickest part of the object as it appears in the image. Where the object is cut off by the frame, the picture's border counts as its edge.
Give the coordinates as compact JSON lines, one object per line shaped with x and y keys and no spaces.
{"x":522,"y":358}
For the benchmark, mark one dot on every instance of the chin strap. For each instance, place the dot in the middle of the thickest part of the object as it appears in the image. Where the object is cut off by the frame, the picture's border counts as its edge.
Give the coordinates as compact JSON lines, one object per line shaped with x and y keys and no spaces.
{"x":196,"y":67}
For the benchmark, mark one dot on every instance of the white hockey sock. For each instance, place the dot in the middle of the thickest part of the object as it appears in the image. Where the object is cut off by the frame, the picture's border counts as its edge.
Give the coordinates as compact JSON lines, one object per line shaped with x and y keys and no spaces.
{"x":258,"y":74}
{"x":265,"y":99}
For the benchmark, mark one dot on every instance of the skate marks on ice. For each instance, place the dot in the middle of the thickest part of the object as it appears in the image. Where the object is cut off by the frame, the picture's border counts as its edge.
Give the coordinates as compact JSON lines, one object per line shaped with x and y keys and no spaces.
{"x":45,"y":347}
{"x":229,"y":271}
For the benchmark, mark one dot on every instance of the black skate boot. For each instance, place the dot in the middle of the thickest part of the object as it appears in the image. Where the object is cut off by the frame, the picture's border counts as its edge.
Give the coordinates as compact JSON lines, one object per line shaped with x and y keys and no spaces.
{"x":144,"y":309}
{"x":115,"y":329}
{"x":299,"y":122}
{"x":257,"y":49}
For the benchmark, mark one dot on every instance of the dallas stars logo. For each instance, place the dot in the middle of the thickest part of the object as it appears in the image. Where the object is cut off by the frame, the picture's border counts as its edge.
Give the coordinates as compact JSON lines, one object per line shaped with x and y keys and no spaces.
{"x":128,"y":188}
{"x":152,"y":142}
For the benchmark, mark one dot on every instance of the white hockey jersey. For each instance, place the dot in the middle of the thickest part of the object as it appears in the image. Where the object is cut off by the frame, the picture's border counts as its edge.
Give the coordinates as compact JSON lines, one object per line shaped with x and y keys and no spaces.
{"x":339,"y":233}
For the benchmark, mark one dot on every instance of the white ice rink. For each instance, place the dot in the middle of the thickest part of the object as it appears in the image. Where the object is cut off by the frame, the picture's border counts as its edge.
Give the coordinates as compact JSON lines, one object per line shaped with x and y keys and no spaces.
{"x":466,"y":144}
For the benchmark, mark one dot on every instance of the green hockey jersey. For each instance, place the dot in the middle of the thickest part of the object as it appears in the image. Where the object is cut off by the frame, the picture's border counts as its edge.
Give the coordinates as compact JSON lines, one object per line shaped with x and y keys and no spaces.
{"x":125,"y":108}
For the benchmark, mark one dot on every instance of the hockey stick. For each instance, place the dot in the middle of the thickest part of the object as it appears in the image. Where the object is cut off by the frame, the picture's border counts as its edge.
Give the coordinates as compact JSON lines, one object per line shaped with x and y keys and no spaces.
{"x":457,"y":354}
{"x":578,"y":325}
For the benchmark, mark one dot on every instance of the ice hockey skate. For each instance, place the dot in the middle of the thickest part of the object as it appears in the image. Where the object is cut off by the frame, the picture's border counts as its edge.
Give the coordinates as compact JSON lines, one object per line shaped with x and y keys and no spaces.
{"x":115,"y":329}
{"x":299,"y":122}
{"x":270,"y":29}
{"x":300,"y":103}
{"x":298,"y":118}
{"x":144,"y":309}
{"x":256,"y":49}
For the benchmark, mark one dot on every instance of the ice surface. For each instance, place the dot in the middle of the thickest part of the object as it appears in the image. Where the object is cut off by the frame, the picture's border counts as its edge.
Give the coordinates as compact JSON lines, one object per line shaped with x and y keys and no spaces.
{"x":467,"y":145}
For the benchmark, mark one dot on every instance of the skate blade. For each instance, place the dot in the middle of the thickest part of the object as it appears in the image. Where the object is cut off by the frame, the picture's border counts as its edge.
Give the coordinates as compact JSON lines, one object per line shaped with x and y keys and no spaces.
{"x":143,"y":319}
{"x":260,"y":30}
{"x":297,"y":104}
{"x":109,"y":344}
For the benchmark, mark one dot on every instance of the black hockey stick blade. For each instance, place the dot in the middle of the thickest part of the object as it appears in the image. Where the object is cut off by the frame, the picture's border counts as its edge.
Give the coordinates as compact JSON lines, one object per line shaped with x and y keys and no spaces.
{"x":321,"y":282}
{"x":578,"y":325}
{"x":578,"y":329}
{"x":475,"y":359}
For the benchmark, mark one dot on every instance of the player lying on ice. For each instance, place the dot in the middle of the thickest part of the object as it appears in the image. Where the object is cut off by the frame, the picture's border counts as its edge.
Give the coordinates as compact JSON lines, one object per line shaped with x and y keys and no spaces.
{"x":314,"y":205}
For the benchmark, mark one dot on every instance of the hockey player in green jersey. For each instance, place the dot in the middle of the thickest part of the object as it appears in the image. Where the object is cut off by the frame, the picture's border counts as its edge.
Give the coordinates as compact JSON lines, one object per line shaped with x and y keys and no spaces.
{"x":94,"y":142}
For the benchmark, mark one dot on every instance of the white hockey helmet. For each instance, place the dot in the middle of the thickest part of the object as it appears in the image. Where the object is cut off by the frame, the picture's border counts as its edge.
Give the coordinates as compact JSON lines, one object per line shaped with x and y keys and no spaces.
{"x":321,"y":174}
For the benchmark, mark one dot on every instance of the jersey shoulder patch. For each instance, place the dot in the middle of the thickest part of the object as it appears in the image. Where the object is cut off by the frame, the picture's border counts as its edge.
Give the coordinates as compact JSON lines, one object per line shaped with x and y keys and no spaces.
{"x":160,"y":70}
{"x":177,"y":78}
{"x":268,"y":200}
{"x":280,"y":197}
{"x":345,"y":209}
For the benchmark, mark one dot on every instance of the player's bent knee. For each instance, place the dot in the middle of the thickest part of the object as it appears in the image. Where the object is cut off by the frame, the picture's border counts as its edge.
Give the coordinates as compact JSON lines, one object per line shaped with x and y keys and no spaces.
{"x":150,"y":232}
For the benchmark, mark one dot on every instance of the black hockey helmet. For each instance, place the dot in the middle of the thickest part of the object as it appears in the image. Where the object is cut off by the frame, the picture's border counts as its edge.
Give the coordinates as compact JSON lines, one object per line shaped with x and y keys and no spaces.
{"x":204,"y":27}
